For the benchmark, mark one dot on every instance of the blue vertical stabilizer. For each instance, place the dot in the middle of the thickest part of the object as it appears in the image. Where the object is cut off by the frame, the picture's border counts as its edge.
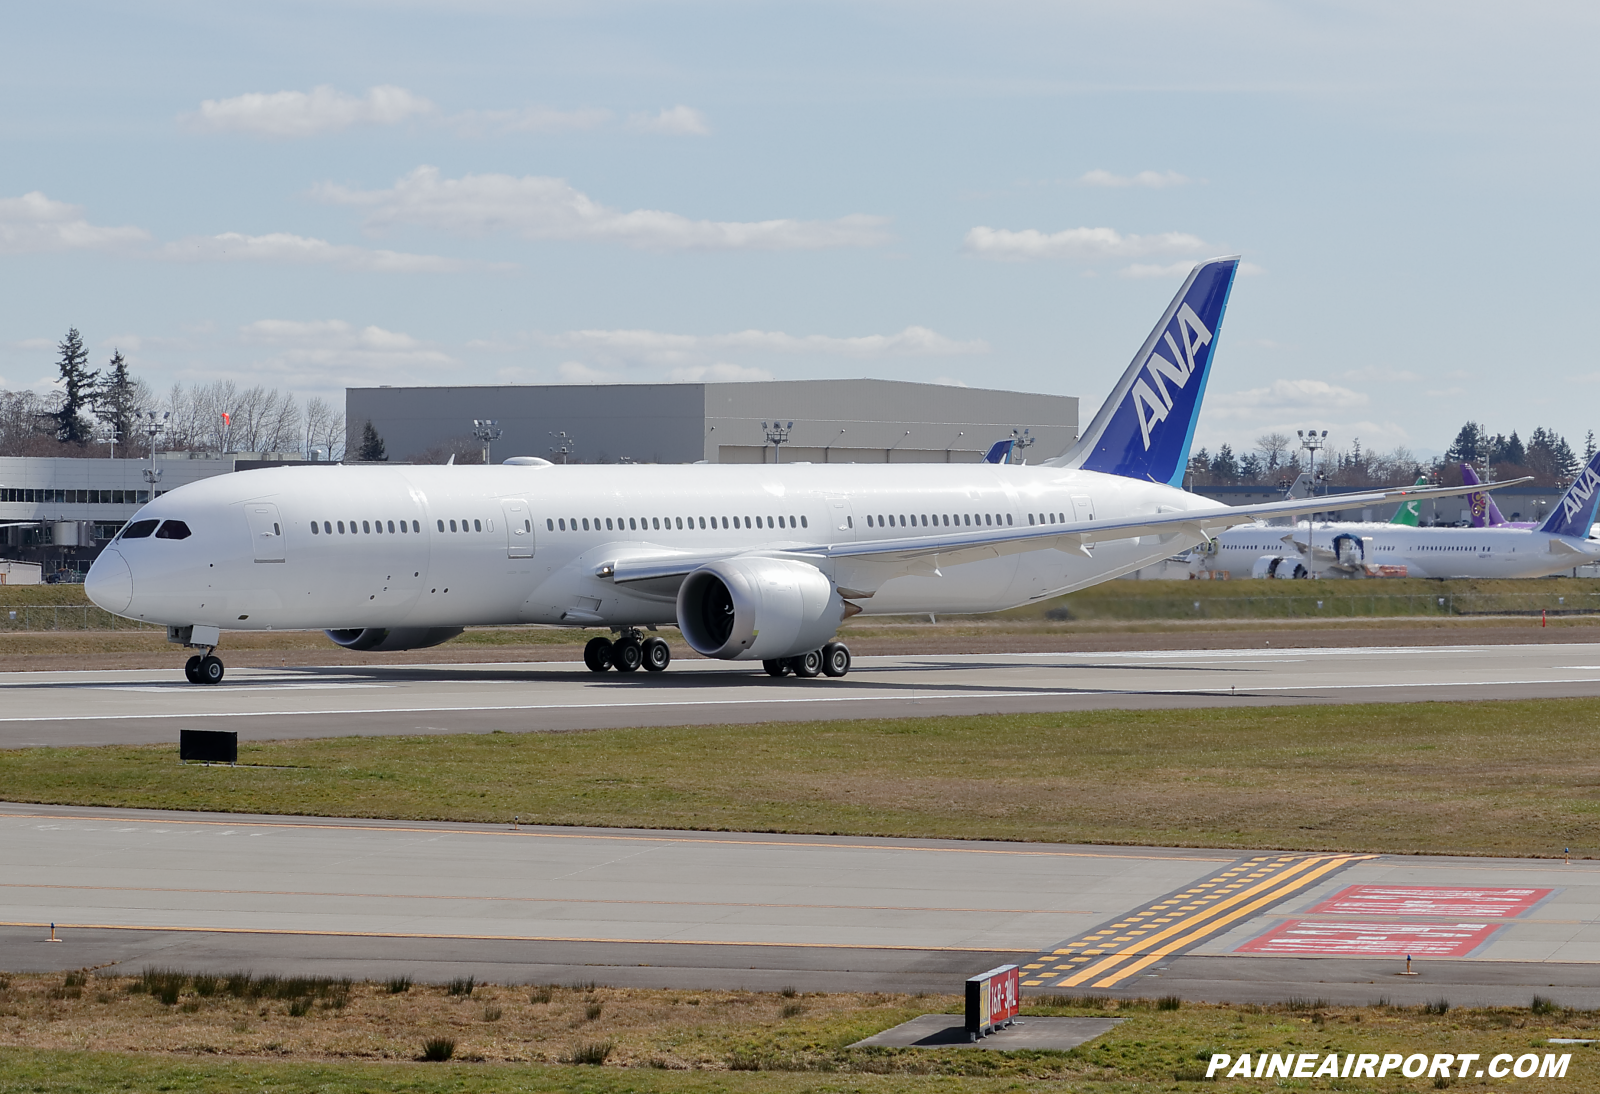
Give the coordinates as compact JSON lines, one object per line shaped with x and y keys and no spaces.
{"x":1145,"y":428}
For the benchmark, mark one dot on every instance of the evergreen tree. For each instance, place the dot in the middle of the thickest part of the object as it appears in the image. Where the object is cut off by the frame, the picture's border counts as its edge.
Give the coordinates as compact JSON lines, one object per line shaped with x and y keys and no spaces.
{"x":1550,"y":458}
{"x":77,"y":390}
{"x":1588,"y":447}
{"x":1224,"y":468}
{"x":1250,"y":468}
{"x":371,"y":450}
{"x":1508,"y":450}
{"x":1469,"y":445}
{"x":118,"y":399}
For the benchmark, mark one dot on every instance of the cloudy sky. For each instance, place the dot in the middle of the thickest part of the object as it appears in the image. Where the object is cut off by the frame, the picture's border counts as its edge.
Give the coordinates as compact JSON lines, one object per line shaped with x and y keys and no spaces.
{"x":996,"y":194}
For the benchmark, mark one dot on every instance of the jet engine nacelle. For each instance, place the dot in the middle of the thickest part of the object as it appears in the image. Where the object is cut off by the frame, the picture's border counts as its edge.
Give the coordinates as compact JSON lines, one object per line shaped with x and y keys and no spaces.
{"x":757,"y":609}
{"x":386,"y":639}
{"x":1276,"y":566}
{"x":1349,"y":550}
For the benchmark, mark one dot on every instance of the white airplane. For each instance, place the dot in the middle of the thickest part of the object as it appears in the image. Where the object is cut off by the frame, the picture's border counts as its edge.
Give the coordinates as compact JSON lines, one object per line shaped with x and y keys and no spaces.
{"x":757,"y":563}
{"x":1347,"y":549}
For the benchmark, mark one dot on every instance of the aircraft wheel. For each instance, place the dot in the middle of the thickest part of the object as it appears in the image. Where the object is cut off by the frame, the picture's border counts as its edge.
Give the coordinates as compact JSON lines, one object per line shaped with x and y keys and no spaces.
{"x":191,"y":669}
{"x":776,"y":667}
{"x":210,"y":669}
{"x":835,"y":659}
{"x":657,"y":654}
{"x":627,"y":655}
{"x":597,"y":654}
{"x":807,"y":665}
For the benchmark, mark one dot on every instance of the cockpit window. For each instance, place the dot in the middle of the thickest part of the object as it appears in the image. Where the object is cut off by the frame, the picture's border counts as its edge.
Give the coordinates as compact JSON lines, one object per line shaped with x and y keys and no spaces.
{"x":139,"y":529}
{"x":173,"y":529}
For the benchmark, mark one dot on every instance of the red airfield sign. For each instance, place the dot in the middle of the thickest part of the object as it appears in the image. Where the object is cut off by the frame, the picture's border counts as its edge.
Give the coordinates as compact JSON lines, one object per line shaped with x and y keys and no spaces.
{"x":1387,"y":900}
{"x":1334,"y":939}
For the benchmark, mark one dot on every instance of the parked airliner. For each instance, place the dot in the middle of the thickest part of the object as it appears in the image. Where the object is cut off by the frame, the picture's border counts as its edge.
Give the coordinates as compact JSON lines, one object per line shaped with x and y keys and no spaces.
{"x":1347,"y":549}
{"x":758,"y":563}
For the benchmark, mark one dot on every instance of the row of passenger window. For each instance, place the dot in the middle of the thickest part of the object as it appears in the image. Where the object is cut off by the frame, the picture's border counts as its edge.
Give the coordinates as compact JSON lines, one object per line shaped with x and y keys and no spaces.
{"x":648,"y":524}
{"x":938,"y":520}
{"x":374,"y":527}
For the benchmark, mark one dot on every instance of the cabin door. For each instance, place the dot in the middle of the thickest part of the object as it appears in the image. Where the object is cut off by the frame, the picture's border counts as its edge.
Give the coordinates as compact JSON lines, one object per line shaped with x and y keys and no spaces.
{"x":519,"y":528}
{"x":266,"y":530}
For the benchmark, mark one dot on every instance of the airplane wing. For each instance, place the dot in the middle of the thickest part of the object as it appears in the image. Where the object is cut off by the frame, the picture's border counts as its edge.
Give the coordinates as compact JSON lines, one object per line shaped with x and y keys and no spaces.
{"x":929,"y":553}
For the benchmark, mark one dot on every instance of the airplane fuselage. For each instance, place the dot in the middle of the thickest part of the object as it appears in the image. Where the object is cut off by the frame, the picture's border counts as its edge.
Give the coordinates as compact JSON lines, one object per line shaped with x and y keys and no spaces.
{"x":424,"y":546}
{"x":1423,"y":552}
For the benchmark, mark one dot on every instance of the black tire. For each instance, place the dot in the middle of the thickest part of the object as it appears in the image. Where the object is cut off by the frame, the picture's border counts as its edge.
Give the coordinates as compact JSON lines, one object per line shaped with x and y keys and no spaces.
{"x":191,"y":669}
{"x":597,"y":654}
{"x":807,"y":665}
{"x":627,"y":655}
{"x":210,"y":670}
{"x":657,"y":655}
{"x":835,"y":659}
{"x":776,"y":667}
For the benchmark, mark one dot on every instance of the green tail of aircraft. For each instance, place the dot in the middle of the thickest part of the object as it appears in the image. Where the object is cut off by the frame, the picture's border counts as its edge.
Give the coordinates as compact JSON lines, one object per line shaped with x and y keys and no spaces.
{"x":1410,"y":513}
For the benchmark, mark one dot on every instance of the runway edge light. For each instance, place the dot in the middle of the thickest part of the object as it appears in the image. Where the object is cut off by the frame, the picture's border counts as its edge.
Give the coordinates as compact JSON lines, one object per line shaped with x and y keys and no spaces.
{"x":994,"y":999}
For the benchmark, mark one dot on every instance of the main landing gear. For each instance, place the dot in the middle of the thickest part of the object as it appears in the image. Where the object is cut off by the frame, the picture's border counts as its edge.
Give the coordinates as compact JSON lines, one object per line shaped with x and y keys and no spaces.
{"x":204,"y":669}
{"x":831,"y":660}
{"x":630,"y":652}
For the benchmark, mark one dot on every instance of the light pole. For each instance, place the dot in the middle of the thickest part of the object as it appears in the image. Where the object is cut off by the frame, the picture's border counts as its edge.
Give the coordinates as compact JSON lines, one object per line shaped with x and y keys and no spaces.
{"x":777,"y":435}
{"x":1023,"y":442}
{"x":562,"y":451}
{"x":488,"y":431}
{"x":153,"y":428}
{"x":1311,"y":441}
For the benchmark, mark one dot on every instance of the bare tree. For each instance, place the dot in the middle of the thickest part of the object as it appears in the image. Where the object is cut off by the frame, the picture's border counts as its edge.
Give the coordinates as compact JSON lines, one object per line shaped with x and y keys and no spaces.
{"x":322,"y":425}
{"x":1272,"y":448}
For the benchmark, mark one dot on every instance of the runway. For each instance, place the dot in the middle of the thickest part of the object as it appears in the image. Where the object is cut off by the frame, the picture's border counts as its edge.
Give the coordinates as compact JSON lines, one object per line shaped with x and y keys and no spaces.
{"x":143,"y":706}
{"x":372,"y":899}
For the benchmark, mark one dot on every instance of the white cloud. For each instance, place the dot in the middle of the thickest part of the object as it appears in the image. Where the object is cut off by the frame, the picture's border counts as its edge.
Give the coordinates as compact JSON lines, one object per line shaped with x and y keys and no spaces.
{"x":331,"y":352}
{"x":659,"y":348}
{"x":34,"y":223}
{"x":576,"y":372}
{"x":531,"y":119}
{"x":721,"y":372}
{"x":304,"y":114}
{"x":675,"y":121}
{"x":283,"y":247}
{"x":1085,"y":243}
{"x":1154,"y":180}
{"x":539,"y":207}
{"x":1310,"y":397}
{"x":1176,"y":269}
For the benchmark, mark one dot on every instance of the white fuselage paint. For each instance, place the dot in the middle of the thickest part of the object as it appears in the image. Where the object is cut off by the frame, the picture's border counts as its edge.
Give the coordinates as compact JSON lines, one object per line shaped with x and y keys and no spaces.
{"x":1424,"y":552}
{"x":488,"y":575}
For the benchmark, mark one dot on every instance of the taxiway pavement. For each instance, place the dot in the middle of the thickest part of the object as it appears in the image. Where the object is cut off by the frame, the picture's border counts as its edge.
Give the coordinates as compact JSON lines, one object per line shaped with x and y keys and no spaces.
{"x":145,"y":706}
{"x":371,"y":899}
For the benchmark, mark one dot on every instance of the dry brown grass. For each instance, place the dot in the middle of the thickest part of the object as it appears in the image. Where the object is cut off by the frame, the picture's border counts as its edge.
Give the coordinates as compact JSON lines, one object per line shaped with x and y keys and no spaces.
{"x":496,"y":1024}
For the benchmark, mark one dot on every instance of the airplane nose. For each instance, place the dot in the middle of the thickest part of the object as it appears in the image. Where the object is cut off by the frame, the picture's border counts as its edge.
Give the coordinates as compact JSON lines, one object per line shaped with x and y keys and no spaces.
{"x":109,"y":582}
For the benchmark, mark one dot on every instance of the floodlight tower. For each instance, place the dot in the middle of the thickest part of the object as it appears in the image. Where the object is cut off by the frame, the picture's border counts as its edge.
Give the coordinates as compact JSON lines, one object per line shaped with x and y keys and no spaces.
{"x":1021,"y":443}
{"x":153,"y":428}
{"x":562,"y":450}
{"x":1312,"y":442}
{"x":777,"y":435}
{"x":488,"y":431}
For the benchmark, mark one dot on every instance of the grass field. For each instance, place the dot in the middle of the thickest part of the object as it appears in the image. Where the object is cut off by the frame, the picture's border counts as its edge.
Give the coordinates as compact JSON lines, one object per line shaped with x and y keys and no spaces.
{"x":1486,"y":778}
{"x":86,"y":1033}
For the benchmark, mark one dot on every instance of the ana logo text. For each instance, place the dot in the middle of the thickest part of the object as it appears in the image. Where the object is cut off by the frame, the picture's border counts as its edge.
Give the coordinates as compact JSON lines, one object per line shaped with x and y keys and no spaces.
{"x":1157,"y":400}
{"x":1577,"y":498}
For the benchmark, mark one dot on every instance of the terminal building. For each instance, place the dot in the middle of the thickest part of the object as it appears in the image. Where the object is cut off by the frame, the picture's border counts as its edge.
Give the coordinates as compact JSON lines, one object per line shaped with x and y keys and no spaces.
{"x":834,"y":421}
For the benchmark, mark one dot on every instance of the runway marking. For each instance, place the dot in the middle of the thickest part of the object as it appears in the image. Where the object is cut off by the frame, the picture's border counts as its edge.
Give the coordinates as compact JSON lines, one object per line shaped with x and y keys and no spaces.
{"x":597,"y":836}
{"x":792,"y":698}
{"x":540,"y":899}
{"x":512,"y":938}
{"x":1112,"y":954}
